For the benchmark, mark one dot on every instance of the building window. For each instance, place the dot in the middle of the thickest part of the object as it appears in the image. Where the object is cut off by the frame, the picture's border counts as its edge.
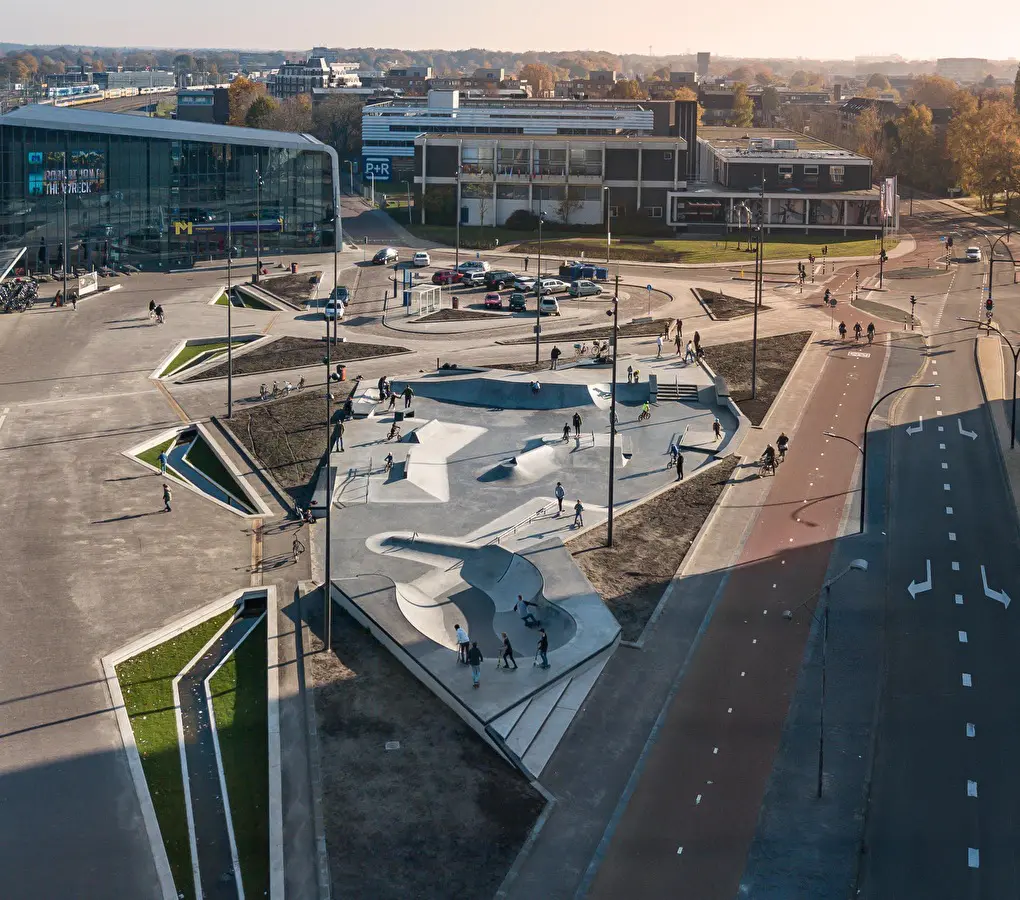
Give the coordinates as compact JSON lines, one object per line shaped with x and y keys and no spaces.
{"x":613,"y":212}
{"x":668,"y":154}
{"x":810,"y":170}
{"x":655,"y":212}
{"x":785,"y":174}
{"x":836,"y":174}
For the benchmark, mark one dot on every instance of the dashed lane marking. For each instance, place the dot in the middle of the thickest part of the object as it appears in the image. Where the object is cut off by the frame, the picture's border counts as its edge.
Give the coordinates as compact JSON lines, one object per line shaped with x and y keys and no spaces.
{"x":971,"y":788}
{"x":946,"y":487}
{"x":967,"y":682}
{"x":952,"y":535}
{"x":697,"y":800}
{"x":955,"y":566}
{"x":942,"y":446}
{"x":959,"y":599}
{"x":3,"y":415}
{"x":973,"y":858}
{"x":971,"y":730}
{"x":941,"y":428}
{"x":949,"y":510}
{"x":963,"y":636}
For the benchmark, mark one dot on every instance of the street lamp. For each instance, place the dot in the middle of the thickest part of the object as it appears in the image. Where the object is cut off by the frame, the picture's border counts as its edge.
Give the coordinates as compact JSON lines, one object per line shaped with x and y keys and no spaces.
{"x":456,"y":252}
{"x":609,"y":216}
{"x":407,"y":184}
{"x":759,"y":286}
{"x":615,"y":313}
{"x":859,"y":565}
{"x":991,"y":265}
{"x":1016,"y":362}
{"x":538,"y":287}
{"x":258,"y":222}
{"x":328,"y":586}
{"x":863,"y":446}
{"x":230,"y":338}
{"x":350,"y":166}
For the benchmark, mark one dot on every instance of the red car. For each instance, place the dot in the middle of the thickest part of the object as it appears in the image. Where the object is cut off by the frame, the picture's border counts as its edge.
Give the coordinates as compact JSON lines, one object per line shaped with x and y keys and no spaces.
{"x":493,"y":301}
{"x":447,"y":276}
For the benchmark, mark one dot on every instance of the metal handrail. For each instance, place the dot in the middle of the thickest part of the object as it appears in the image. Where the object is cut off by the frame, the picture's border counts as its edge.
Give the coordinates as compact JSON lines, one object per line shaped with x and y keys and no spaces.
{"x":513,"y":528}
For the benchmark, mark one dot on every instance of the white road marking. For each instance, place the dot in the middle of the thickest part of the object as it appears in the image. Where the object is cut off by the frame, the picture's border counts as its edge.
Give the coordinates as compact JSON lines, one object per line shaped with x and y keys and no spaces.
{"x":971,"y":731}
{"x":971,"y":788}
{"x":973,"y":858}
{"x":959,"y":599}
{"x":945,"y":465}
{"x":952,"y":535}
{"x":1001,"y":596}
{"x":938,"y":412}
{"x":937,"y":398}
{"x":697,"y":800}
{"x":920,"y":426}
{"x":956,"y":566}
{"x":971,"y":434}
{"x":946,"y":487}
{"x":949,"y":510}
{"x":3,"y":415}
{"x":915,"y":587}
{"x":679,"y":851}
{"x":963,"y":636}
{"x":754,"y":641}
{"x":715,"y":751}
{"x":941,"y":428}
{"x":967,"y":680}
{"x":742,"y":674}
{"x":942,"y":446}
{"x":730,"y":710}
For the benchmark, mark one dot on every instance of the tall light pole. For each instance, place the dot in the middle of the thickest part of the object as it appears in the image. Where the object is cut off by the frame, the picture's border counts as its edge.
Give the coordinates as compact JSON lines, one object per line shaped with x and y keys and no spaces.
{"x":991,"y":264}
{"x":1016,"y":362}
{"x":328,"y":586}
{"x":456,"y":252}
{"x":609,"y":216}
{"x":860,"y":565}
{"x":407,"y":185}
{"x":759,"y":285}
{"x":615,"y":313}
{"x":538,"y":288}
{"x":862,"y":448}
{"x":230,"y":338}
{"x":350,"y":166}
{"x":258,"y":220}
{"x":67,"y":247}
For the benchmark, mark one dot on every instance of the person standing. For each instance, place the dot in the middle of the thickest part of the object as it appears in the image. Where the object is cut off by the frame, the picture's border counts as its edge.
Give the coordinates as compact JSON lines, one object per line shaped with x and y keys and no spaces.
{"x":340,"y":436}
{"x":559,"y":494}
{"x":679,"y":339}
{"x":577,"y":425}
{"x":679,"y":467}
{"x":474,"y":658}
{"x":543,"y":648}
{"x":163,"y":460}
{"x":697,"y":343}
{"x":527,"y":259}
{"x":578,"y":515}
{"x":167,"y":497}
{"x":408,"y":393}
{"x":717,"y":430}
{"x":679,"y":329}
{"x":463,"y":644}
{"x":630,"y":374}
{"x":507,"y":654}
{"x":658,"y":345}
{"x":555,"y":356}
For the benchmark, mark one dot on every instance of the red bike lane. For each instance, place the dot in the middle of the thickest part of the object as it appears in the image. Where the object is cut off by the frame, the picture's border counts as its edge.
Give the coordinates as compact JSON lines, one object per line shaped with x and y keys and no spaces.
{"x":687,"y":828}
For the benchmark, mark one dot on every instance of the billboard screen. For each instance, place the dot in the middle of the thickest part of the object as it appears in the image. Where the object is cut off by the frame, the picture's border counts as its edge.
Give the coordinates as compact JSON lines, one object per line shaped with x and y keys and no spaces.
{"x":83,"y":172}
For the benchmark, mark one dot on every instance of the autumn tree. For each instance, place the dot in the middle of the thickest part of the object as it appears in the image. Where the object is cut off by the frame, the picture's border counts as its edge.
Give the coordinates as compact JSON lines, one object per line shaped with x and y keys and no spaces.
{"x":879,"y":82}
{"x":742,"y":74}
{"x":260,"y":112}
{"x":628,"y":90}
{"x":541,"y":77}
{"x":293,"y":114}
{"x":915,"y":153}
{"x":933,"y":91}
{"x":985,"y":145}
{"x":242,"y":93}
{"x":685,"y":93}
{"x":769,"y":104}
{"x":742,"y":115}
{"x":337,"y":121}
{"x":1016,"y":91}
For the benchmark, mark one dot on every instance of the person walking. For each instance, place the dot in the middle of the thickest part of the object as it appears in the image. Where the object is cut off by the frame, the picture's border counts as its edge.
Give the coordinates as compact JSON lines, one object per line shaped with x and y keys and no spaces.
{"x":578,"y":515}
{"x":679,"y":339}
{"x":679,"y":467}
{"x":543,"y":648}
{"x":689,"y":354}
{"x":297,"y":548}
{"x":74,"y":301}
{"x":393,"y":401}
{"x":559,"y":494}
{"x":577,"y":425}
{"x":697,"y":343}
{"x":566,"y":431}
{"x":408,"y":393}
{"x":521,"y":608}
{"x":167,"y":497}
{"x":463,"y":644}
{"x":507,"y":654}
{"x":555,"y":356}
{"x":658,"y":345}
{"x":717,"y":430}
{"x":679,"y":329}
{"x":163,"y":460}
{"x":474,"y":658}
{"x":665,"y":329}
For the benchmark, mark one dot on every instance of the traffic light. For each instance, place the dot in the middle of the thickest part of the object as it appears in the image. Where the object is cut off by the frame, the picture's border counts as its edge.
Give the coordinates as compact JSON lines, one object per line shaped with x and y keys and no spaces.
{"x":988,"y":304}
{"x":913,"y":299}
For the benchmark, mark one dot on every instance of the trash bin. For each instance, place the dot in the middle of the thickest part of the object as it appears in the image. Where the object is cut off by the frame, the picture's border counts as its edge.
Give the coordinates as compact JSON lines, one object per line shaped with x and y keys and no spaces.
{"x":455,"y":302}
{"x":293,"y":268}
{"x":342,"y":372}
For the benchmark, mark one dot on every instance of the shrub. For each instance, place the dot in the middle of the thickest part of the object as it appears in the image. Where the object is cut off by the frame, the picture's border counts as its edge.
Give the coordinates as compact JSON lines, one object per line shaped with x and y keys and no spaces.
{"x":521,"y":220}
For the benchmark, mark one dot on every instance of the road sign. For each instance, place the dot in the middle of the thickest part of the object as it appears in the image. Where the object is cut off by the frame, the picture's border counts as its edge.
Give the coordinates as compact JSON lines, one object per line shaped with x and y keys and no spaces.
{"x":377,"y":167}
{"x":832,"y":303}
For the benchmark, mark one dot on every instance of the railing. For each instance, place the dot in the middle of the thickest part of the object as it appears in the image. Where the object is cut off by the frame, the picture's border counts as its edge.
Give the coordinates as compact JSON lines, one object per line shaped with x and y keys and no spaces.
{"x":514,"y":528}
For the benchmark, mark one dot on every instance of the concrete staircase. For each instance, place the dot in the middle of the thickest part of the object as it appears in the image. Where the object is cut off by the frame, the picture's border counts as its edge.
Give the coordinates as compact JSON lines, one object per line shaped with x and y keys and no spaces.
{"x":680,"y":393}
{"x":533,"y":729}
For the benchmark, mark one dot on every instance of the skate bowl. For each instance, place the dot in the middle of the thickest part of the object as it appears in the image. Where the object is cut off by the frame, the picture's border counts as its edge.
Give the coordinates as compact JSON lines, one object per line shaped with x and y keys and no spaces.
{"x":474,"y":586}
{"x":515,"y":391}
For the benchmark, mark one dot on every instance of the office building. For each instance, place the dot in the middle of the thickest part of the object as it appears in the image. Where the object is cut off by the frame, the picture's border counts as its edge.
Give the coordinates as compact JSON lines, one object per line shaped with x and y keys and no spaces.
{"x":133,"y":78}
{"x":292,"y":79}
{"x":158,"y":193}
{"x":488,"y":177}
{"x":704,"y":60}
{"x":204,"y":104}
{"x":966,"y":70}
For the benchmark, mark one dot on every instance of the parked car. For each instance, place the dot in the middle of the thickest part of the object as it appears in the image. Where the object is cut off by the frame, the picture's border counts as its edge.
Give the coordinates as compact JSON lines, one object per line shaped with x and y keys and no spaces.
{"x":474,"y":265}
{"x":549,"y":306}
{"x":518,"y":302}
{"x":334,"y":309}
{"x":973,"y":254}
{"x":524,"y":283}
{"x":552,"y":286}
{"x":473,"y":279}
{"x":584,"y":288}
{"x":421,"y":258}
{"x":384,"y":256}
{"x":447,"y":276}
{"x":493,"y":301}
{"x":497,"y":279}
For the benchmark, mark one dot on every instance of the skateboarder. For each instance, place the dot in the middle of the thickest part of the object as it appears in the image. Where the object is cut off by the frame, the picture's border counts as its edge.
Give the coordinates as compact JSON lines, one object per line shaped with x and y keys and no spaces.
{"x":521,"y":608}
{"x":463,"y":643}
{"x":578,"y":515}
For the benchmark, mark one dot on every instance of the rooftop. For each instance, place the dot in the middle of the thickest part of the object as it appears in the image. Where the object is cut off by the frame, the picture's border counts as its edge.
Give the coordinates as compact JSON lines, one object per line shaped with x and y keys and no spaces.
{"x":735,"y":142}
{"x":72,"y":119}
{"x":668,"y":140}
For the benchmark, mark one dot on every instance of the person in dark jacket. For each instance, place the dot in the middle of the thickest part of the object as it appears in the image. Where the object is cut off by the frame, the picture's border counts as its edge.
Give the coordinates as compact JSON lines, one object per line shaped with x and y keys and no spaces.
{"x":475,"y":661}
{"x":507,"y":655}
{"x":543,"y":648}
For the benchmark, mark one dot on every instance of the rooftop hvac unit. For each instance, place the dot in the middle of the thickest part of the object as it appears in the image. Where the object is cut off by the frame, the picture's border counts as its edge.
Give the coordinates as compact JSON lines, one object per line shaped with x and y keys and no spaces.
{"x":760,"y":144}
{"x":785,"y":144}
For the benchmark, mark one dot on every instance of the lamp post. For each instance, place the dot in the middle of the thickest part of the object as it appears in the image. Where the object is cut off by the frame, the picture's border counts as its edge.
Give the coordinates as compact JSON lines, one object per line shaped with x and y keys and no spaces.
{"x":230,"y":338}
{"x":860,"y":565}
{"x":615,"y":313}
{"x":407,"y":185}
{"x":66,"y":247}
{"x":538,"y":288}
{"x":328,"y":586}
{"x":991,"y":263}
{"x":1016,"y":362}
{"x":258,"y":222}
{"x":609,"y":216}
{"x":862,"y":448}
{"x":759,"y":285}
{"x":456,"y":252}
{"x":350,"y":167}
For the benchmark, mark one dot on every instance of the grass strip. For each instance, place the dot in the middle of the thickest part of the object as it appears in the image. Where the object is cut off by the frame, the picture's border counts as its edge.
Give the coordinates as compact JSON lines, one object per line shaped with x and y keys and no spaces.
{"x":151,"y":456}
{"x":204,"y":458}
{"x":146,"y":680}
{"x":240,"y":707}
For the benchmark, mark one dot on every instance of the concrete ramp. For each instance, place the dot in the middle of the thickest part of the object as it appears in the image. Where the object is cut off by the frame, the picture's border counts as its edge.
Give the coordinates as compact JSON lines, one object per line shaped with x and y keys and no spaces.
{"x":511,"y":392}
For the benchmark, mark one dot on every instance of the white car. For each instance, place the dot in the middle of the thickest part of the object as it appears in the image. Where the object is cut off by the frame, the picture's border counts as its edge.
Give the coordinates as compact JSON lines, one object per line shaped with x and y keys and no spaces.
{"x":524,"y":283}
{"x":973,"y":254}
{"x":552,"y":286}
{"x":473,"y":279}
{"x":474,"y":265}
{"x":421,"y":258}
{"x":549,"y":306}
{"x":334,"y":309}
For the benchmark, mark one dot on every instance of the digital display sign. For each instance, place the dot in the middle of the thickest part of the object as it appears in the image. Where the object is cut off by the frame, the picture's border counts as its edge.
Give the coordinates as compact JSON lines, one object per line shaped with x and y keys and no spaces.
{"x":49,"y":174}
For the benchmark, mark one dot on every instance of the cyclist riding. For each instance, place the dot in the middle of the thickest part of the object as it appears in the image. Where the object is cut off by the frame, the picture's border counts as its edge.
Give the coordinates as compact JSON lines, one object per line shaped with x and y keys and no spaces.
{"x":782,"y":445}
{"x":646,"y":412}
{"x":842,"y":331}
{"x":857,"y":331}
{"x":768,"y":459}
{"x":871,"y":332}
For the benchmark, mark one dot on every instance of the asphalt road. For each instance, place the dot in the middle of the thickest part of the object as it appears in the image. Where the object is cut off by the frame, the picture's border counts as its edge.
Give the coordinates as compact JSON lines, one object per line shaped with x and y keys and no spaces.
{"x":942,"y":820}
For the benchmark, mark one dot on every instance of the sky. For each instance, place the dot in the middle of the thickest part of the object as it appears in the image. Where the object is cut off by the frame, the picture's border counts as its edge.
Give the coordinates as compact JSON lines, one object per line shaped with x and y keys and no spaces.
{"x":783,"y":28}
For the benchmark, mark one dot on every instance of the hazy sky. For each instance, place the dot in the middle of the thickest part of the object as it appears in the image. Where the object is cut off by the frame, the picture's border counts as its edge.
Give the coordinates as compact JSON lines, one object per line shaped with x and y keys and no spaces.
{"x":787,"y":28}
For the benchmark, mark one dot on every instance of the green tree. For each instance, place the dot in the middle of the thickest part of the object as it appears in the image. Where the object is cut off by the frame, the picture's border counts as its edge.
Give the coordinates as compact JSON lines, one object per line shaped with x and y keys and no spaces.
{"x":915,"y":151}
{"x":742,"y":115}
{"x":260,"y":112}
{"x":879,"y":82}
{"x":337,"y":121}
{"x":242,"y":93}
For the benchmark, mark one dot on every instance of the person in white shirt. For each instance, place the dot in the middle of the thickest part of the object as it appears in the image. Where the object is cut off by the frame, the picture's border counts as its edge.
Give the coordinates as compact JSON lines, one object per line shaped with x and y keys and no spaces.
{"x":463,"y":643}
{"x":521,"y":608}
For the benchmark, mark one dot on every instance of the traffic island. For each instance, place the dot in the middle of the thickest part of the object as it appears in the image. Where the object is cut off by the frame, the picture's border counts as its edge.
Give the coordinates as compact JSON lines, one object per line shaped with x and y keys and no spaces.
{"x":723,"y":307}
{"x":242,"y":301}
{"x":294,"y":287}
{"x":189,"y":355}
{"x":650,"y":542}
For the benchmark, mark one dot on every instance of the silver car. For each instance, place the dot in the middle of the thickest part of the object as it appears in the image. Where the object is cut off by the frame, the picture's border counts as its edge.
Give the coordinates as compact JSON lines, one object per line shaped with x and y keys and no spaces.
{"x":584,"y":288}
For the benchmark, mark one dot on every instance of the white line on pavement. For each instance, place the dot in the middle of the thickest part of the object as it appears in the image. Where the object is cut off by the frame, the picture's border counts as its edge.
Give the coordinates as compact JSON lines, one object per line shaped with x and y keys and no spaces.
{"x":971,"y":730}
{"x":973,"y":858}
{"x":945,"y":487}
{"x":959,"y":599}
{"x":942,"y":446}
{"x":941,"y":428}
{"x":952,"y":535}
{"x":956,"y":566}
{"x":945,"y":465}
{"x":87,"y":397}
{"x":967,"y":680}
{"x":971,"y":788}
{"x":697,"y":800}
{"x":949,"y":510}
{"x":3,"y":416}
{"x":679,"y":851}
{"x":963,"y":637}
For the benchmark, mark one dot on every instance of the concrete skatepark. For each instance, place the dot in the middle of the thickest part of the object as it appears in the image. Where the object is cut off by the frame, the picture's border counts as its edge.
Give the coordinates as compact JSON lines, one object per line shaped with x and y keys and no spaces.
{"x":490,"y":449}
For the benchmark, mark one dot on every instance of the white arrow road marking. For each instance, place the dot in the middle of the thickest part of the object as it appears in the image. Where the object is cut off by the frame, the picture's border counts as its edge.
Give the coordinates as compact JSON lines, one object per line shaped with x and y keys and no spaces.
{"x":1001,"y":596}
{"x":971,"y":434}
{"x":3,"y":415}
{"x":915,"y":587}
{"x":919,"y":428}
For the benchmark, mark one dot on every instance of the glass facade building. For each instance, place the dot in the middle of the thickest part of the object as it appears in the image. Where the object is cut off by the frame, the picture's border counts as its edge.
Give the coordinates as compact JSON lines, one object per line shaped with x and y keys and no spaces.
{"x":109,"y":188}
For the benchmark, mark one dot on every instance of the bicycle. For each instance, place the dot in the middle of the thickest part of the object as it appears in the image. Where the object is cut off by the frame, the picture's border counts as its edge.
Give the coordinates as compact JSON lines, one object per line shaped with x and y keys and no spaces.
{"x":644,"y":414}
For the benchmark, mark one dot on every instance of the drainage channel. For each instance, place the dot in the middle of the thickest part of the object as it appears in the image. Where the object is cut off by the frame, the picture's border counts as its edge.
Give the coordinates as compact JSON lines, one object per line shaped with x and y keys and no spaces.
{"x":215,"y":863}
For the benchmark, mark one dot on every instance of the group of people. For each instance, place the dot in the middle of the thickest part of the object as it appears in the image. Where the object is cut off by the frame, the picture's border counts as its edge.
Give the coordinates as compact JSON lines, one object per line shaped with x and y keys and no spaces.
{"x":156,"y":312}
{"x":559,"y":493}
{"x":469,"y":653}
{"x":770,"y":459}
{"x":857,"y":331}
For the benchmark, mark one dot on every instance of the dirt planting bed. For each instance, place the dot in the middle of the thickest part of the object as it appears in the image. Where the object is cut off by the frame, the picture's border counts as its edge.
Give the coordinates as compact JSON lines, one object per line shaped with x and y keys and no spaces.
{"x":723,"y":306}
